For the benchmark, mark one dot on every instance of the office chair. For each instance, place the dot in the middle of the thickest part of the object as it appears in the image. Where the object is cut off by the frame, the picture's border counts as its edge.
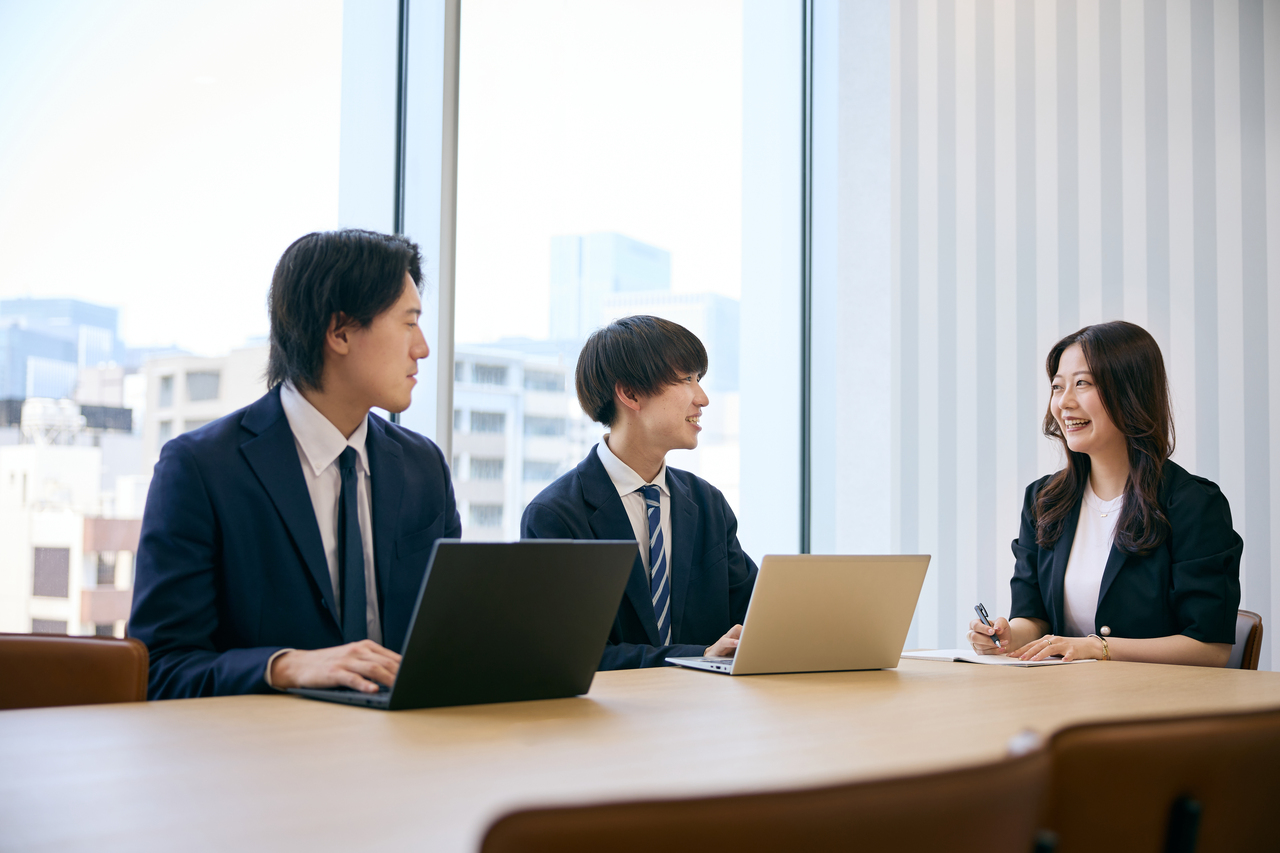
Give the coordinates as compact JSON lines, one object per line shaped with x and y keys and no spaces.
{"x":44,"y":670}
{"x":1204,"y":784}
{"x":1248,"y":644}
{"x":991,"y":808}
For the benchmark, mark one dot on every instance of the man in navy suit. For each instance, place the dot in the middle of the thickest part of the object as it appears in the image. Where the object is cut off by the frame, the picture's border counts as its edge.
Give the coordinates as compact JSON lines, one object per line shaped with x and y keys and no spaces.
{"x":284,"y":544}
{"x":691,"y":582}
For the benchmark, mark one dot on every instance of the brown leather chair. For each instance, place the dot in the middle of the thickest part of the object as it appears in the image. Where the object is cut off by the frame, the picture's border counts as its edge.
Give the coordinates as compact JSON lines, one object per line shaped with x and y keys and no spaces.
{"x":1197,"y":783}
{"x":991,"y":808}
{"x":1248,"y":644}
{"x":44,"y":670}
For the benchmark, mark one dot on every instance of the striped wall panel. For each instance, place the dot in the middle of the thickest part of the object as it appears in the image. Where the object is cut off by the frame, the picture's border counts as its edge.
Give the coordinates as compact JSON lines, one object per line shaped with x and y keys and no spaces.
{"x":1056,"y":164}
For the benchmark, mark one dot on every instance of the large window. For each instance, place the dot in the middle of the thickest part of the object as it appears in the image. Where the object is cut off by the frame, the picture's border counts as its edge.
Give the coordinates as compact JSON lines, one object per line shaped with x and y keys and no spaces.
{"x":606,"y":179}
{"x":156,"y":159}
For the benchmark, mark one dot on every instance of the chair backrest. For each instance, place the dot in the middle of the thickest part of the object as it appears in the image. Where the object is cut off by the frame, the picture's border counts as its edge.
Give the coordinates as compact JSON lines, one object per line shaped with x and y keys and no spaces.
{"x":43,"y":670}
{"x":1120,"y":786}
{"x":1248,"y":644}
{"x":992,"y":808}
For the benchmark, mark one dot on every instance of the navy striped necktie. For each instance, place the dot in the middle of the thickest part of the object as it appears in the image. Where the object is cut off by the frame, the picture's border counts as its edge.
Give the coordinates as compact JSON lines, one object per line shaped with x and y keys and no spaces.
{"x":355,"y":624}
{"x":659,"y":582}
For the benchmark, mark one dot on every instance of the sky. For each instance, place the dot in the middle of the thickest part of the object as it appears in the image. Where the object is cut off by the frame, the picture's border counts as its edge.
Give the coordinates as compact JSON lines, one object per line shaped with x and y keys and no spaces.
{"x":578,"y":116}
{"x":159,"y":156}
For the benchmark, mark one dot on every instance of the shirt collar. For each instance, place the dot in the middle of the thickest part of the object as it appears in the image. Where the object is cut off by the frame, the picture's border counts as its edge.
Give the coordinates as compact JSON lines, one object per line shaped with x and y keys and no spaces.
{"x":625,"y":480}
{"x":321,"y":442}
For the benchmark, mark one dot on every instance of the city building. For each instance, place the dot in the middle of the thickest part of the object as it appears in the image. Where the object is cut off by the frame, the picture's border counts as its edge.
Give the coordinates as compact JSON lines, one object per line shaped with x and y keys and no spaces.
{"x":45,"y":342}
{"x":66,"y":552}
{"x":515,"y":430}
{"x":597,"y":278}
{"x":516,"y":427}
{"x":587,"y":268}
{"x":184,"y":392}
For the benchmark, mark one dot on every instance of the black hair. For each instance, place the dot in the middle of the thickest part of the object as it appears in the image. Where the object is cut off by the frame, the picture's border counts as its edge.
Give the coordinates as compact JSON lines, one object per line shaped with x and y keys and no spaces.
{"x":350,"y":275}
{"x":643,"y":354}
{"x":1128,"y":371}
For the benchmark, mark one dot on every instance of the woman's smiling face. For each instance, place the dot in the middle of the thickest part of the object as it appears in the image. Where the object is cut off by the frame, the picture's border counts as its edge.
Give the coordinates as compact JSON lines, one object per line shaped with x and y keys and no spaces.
{"x":1077,"y":407}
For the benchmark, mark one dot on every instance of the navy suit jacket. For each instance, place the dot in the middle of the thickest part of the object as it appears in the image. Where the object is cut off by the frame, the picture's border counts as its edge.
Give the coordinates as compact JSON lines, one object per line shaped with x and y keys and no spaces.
{"x":711,"y":578}
{"x":230,"y":566}
{"x":1190,"y":584}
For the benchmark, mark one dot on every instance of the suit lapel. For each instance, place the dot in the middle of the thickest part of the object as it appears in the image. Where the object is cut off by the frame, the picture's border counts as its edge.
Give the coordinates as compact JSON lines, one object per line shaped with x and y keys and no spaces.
{"x":610,"y":521}
{"x":386,"y":486}
{"x":1061,"y":555}
{"x":684,"y":529}
{"x":273,"y":456}
{"x":1115,"y":561}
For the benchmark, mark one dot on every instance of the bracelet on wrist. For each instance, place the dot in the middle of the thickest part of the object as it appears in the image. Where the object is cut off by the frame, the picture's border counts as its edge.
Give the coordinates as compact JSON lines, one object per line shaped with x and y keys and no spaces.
{"x":1106,"y":650}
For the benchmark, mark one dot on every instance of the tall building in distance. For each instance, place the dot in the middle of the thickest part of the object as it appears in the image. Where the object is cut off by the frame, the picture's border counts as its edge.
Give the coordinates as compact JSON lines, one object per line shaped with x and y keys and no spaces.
{"x":588,"y":268}
{"x":73,"y":476}
{"x":597,"y":278}
{"x":44,"y":343}
{"x":516,"y":421}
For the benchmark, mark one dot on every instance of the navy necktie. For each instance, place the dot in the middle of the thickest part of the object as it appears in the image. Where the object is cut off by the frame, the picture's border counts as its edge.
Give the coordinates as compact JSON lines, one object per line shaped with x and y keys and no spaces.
{"x":659,"y":585}
{"x":351,"y":554}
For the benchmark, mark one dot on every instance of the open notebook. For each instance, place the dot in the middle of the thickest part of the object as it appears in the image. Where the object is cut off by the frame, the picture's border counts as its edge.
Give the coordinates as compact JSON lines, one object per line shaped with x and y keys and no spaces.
{"x":969,"y":656}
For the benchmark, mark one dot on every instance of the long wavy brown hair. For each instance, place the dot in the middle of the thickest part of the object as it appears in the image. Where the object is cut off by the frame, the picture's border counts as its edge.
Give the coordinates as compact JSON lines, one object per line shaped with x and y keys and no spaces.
{"x":1128,"y":372}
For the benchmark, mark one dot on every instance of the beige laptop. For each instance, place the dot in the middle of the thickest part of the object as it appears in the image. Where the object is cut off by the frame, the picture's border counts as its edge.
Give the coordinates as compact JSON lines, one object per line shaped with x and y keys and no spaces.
{"x":818,"y":613}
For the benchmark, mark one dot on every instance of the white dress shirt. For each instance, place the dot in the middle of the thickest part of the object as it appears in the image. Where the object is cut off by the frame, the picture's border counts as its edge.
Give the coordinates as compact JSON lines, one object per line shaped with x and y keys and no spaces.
{"x":627,"y":481}
{"x":1095,"y":533}
{"x":320,"y":443}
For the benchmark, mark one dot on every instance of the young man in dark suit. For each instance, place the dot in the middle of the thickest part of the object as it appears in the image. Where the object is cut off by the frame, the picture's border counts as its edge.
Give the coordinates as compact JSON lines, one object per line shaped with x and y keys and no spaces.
{"x":284,"y":544}
{"x":691,"y":582}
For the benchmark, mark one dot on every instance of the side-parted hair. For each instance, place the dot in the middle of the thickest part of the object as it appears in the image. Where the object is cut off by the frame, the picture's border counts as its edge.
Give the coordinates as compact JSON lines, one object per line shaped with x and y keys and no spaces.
{"x":643,"y":354}
{"x":1128,"y":372}
{"x":350,"y":275}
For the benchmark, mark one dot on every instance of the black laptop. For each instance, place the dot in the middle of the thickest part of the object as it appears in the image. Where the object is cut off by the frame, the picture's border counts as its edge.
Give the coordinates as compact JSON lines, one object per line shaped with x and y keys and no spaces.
{"x":504,"y":622}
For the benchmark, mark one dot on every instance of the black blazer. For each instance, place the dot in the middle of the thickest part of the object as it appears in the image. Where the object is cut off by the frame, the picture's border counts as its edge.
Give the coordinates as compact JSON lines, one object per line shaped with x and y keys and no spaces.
{"x":231,"y":568}
{"x":711,"y":579}
{"x":1189,"y":585}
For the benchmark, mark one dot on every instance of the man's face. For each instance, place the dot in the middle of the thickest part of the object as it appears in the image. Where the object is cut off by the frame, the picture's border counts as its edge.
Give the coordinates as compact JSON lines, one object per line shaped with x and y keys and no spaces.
{"x":669,"y":419}
{"x":383,"y":358}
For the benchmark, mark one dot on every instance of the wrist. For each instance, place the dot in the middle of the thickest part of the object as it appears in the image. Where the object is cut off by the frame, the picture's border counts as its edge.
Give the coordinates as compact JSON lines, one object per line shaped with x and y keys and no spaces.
{"x":1100,"y":645}
{"x":280,"y":669}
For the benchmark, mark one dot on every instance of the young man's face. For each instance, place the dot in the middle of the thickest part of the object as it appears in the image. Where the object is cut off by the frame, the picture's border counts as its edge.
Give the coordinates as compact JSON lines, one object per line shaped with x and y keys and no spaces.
{"x":383,"y":358}
{"x":669,"y":419}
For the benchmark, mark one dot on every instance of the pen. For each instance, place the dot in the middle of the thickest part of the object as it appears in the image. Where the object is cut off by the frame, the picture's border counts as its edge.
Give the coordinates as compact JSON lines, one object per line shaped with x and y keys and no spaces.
{"x":982,"y":614}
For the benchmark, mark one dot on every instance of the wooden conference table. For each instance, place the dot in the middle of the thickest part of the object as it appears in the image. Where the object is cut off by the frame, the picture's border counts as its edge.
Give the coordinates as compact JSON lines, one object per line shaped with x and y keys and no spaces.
{"x":284,"y":773}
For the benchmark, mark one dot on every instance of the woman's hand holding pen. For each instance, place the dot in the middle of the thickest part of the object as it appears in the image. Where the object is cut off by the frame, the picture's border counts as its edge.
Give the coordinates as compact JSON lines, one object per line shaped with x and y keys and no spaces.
{"x":982,"y":637}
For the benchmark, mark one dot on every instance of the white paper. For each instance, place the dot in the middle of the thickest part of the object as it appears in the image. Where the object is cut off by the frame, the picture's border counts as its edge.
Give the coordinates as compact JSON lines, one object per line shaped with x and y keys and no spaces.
{"x":970,"y":656}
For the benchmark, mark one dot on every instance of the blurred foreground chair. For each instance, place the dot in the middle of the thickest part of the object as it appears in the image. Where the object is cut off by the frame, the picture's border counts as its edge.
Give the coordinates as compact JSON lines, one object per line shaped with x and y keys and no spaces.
{"x":992,"y":808}
{"x":44,"y":670}
{"x":1206,"y":784}
{"x":1248,"y":644}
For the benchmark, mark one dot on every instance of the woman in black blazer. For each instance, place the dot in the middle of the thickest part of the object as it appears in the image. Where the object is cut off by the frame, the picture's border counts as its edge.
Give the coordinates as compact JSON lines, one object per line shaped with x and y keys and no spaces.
{"x":1123,"y":554}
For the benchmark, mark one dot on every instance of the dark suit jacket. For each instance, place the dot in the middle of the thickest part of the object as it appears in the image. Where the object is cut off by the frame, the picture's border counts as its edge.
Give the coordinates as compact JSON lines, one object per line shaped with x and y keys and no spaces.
{"x":711,"y":579}
{"x":230,"y":567}
{"x":1189,"y":585}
